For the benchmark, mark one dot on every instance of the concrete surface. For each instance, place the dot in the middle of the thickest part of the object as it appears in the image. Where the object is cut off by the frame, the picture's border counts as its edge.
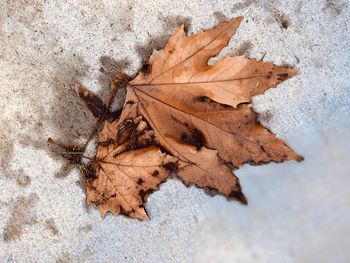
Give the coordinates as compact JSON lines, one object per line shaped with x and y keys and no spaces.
{"x":298,"y":212}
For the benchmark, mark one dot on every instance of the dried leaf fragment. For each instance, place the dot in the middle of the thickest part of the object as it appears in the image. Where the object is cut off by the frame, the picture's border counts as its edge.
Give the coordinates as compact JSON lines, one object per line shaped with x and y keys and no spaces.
{"x":128,"y":167}
{"x":185,"y":116}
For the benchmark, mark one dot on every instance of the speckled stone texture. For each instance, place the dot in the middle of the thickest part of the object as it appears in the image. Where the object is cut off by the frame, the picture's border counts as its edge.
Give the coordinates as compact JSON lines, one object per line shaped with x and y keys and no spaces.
{"x":297,"y":212}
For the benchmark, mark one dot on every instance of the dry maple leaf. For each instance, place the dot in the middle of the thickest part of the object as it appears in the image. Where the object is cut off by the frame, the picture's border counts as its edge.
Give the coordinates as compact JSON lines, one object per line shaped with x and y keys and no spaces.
{"x":185,"y":116}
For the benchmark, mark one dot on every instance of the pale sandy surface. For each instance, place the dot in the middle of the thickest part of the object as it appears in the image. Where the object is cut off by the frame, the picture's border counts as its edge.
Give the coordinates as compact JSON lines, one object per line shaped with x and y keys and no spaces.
{"x":298,"y":212}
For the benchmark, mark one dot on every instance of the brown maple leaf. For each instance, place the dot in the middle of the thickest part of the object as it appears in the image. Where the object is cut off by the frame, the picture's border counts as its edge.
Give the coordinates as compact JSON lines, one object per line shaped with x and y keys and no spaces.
{"x":185,"y":116}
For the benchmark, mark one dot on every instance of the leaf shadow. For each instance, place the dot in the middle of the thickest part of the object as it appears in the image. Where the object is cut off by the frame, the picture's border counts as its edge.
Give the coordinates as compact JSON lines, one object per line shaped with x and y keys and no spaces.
{"x":169,"y":25}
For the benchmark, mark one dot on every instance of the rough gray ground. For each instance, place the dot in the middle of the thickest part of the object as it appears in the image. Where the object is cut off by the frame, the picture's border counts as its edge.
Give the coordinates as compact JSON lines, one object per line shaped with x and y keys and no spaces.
{"x":298,"y":212}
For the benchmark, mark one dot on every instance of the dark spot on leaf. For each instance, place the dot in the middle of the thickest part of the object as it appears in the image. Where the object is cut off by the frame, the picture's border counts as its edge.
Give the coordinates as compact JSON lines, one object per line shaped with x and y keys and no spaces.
{"x":269,"y":74}
{"x":155,"y":173}
{"x":282,"y":77}
{"x":140,"y":181}
{"x":194,"y":137}
{"x":171,"y":166}
{"x":202,"y":99}
{"x":146,"y":68}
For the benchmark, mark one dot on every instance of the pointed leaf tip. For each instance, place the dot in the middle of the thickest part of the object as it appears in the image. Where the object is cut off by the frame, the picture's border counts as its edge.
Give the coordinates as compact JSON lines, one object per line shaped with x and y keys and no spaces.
{"x":239,"y":196}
